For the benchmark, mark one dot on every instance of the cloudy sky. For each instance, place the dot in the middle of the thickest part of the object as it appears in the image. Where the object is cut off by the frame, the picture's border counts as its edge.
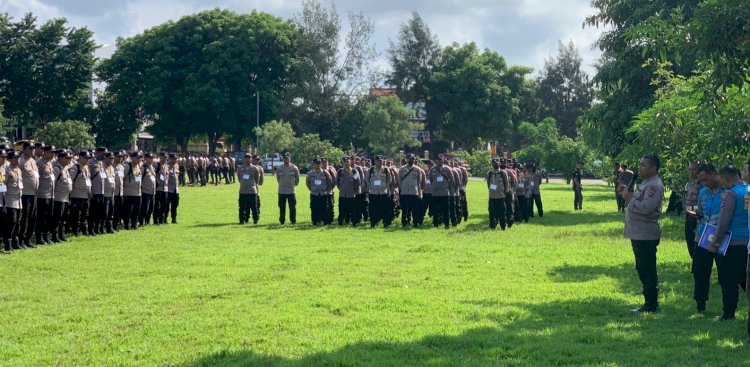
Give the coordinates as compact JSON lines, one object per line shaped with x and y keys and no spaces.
{"x":525,"y":32}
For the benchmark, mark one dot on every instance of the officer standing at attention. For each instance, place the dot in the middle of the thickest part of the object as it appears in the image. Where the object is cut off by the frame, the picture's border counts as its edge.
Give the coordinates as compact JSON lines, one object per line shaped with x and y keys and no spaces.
{"x":442,"y":184}
{"x":287,"y":175}
{"x":28,"y":200}
{"x":625,"y":177}
{"x":44,"y":194}
{"x":318,"y":181}
{"x":80,"y":194}
{"x":63,"y":186}
{"x":14,"y":184}
{"x":578,"y":186}
{"x":643,"y":229}
{"x":348,"y":182}
{"x":690,"y":204}
{"x":536,"y":193}
{"x":378,"y":181}
{"x":411,"y":183}
{"x":497,"y":181}
{"x":173,"y":189}
{"x":733,"y":217}
{"x":330,"y":201}
{"x":248,"y":202}
{"x":131,"y":191}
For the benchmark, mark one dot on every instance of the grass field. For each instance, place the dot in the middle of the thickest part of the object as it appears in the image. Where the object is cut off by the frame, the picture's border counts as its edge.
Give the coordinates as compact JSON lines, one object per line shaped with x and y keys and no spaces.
{"x":209,"y":292}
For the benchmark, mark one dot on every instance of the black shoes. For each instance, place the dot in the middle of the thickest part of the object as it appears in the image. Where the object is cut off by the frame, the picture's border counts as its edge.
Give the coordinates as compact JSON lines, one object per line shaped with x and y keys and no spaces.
{"x":646,"y":308}
{"x":701,"y":307}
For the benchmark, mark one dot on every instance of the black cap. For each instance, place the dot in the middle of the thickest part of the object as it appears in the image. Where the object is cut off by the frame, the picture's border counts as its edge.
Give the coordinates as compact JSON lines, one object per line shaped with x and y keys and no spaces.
{"x":134,"y":154}
{"x":26,"y":144}
{"x":3,"y":153}
{"x":62,"y":154}
{"x":316,"y":160}
{"x":38,"y":144}
{"x":109,"y":155}
{"x":440,"y":157}
{"x":324,"y":159}
{"x":287,"y":155}
{"x":48,"y":148}
{"x":101,"y":150}
{"x":248,"y":155}
{"x":255,"y":156}
{"x":13,"y":154}
{"x":173,"y":155}
{"x":84,"y":154}
{"x":163,"y":154}
{"x":149,"y":155}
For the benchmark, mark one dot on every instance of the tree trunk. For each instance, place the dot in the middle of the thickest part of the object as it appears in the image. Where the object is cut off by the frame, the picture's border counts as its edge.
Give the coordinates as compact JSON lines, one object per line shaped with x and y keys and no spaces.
{"x":184,"y":144}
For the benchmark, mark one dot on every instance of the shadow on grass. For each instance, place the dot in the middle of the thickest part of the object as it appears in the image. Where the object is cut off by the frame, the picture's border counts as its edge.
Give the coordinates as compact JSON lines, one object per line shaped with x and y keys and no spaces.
{"x":595,"y":331}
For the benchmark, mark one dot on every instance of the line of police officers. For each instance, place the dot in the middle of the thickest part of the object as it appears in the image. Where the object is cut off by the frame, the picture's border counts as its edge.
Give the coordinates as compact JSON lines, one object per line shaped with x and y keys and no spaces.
{"x":46,"y":194}
{"x":379,"y":191}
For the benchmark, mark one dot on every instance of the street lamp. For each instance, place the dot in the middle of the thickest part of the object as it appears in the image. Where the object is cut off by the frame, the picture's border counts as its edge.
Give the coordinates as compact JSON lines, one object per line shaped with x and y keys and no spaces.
{"x":254,"y":76}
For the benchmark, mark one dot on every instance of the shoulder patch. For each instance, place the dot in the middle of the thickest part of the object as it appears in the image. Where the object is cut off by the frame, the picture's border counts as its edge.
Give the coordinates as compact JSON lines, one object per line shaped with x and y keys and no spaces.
{"x":652,"y":192}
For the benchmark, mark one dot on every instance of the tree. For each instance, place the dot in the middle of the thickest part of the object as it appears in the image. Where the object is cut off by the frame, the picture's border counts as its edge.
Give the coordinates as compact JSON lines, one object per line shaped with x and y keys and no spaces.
{"x":275,"y":137}
{"x":526,"y":105}
{"x":5,"y":125}
{"x":43,"y":69}
{"x":388,"y":128}
{"x":550,"y":149}
{"x":309,"y":146}
{"x":412,"y":59}
{"x":67,"y":134}
{"x":199,"y":75}
{"x":564,"y":89}
{"x":467,"y":99}
{"x":624,"y":84}
{"x":330,"y":70}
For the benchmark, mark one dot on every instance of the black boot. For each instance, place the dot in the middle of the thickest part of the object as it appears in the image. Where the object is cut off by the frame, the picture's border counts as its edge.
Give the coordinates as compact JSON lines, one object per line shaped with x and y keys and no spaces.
{"x":54,"y":237}
{"x":61,"y":235}
{"x":16,"y":244}
{"x":6,"y":246}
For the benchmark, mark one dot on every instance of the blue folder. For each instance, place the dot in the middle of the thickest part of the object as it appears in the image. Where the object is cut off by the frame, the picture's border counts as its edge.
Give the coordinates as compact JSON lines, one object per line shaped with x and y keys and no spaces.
{"x":709,"y":236}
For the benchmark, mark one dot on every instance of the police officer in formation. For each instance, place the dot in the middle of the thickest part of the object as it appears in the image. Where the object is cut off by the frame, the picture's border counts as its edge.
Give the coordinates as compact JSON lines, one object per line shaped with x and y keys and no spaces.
{"x":514,"y":189}
{"x":287,"y":177}
{"x":50,"y":194}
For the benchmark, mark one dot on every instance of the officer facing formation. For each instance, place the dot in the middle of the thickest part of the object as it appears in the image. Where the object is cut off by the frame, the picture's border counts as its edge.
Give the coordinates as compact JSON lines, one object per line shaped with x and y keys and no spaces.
{"x":54,"y":193}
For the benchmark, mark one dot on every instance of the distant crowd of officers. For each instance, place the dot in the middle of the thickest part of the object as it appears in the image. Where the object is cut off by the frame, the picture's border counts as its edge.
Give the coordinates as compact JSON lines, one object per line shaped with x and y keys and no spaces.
{"x":48,"y":194}
{"x":380,"y":190}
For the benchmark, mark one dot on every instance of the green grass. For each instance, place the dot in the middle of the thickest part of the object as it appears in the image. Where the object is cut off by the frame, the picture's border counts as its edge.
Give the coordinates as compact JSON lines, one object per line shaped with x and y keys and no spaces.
{"x":210,"y":292}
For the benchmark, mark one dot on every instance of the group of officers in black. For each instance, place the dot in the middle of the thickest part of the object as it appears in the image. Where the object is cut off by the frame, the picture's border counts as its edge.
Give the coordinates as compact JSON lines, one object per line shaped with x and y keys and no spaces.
{"x":380,"y":190}
{"x":47,"y":194}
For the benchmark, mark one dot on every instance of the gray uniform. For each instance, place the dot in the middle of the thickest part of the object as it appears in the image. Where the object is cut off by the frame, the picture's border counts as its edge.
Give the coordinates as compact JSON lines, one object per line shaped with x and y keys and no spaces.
{"x":643,"y":211}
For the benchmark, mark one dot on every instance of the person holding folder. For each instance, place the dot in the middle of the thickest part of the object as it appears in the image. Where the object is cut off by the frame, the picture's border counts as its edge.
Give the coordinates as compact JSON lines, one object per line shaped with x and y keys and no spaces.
{"x":707,"y":213}
{"x":732,"y":218}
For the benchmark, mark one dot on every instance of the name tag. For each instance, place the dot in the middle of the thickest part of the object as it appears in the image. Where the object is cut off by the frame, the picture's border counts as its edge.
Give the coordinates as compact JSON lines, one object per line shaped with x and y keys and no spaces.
{"x":3,"y":188}
{"x":121,"y":173}
{"x":246,"y":177}
{"x":318,"y":182}
{"x":520,"y":186}
{"x":377,"y":182}
{"x":161,"y":177}
{"x":103,"y":175}
{"x":88,"y":182}
{"x":427,"y":181}
{"x":493,"y":187}
{"x":532,"y":184}
{"x":20,"y":185}
{"x":152,"y":178}
{"x":111,"y":180}
{"x":440,"y":179}
{"x":137,"y":178}
{"x":356,"y":175}
{"x":36,"y":174}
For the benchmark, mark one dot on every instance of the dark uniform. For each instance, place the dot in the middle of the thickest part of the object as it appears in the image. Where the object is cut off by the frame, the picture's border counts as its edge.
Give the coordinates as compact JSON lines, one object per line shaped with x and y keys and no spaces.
{"x":691,"y":223}
{"x":318,"y":181}
{"x":248,"y":201}
{"x":577,"y":189}
{"x":497,"y":182}
{"x":349,"y":183}
{"x":378,"y":186}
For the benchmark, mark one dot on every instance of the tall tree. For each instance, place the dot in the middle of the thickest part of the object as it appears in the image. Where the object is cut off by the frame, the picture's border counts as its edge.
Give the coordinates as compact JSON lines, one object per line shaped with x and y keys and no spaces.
{"x":564,"y":89}
{"x":526,"y":106}
{"x":624,"y":84}
{"x":467,"y":98}
{"x":275,"y":137}
{"x":44,"y":69}
{"x":76,"y":134}
{"x":332,"y":68}
{"x":412,"y":59}
{"x":198,"y":76}
{"x":388,"y":128}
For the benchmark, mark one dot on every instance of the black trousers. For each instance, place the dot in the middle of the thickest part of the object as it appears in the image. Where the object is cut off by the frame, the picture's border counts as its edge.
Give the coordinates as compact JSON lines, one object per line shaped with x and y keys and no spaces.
{"x":703,"y":263}
{"x":318,"y":209}
{"x":78,"y":215}
{"x":173,"y":202}
{"x":522,"y":213}
{"x":381,"y":209}
{"x":11,"y":224}
{"x":440,"y":208}
{"x":732,"y":270}
{"x":118,"y":212}
{"x":453,"y":210}
{"x":536,"y":199}
{"x":248,"y":204}
{"x":347,"y":211}
{"x":330,"y":204}
{"x":578,"y":199}
{"x":131,"y":208}
{"x":411,"y":211}
{"x":620,"y":201}
{"x":509,"y":203}
{"x":43,"y":217}
{"x":28,"y":217}
{"x":497,"y":212}
{"x":160,"y":207}
{"x":691,"y":224}
{"x":361,"y":208}
{"x":57,"y":220}
{"x":96,"y":213}
{"x":291,"y":200}
{"x":108,"y":214}
{"x":147,"y":208}
{"x":464,"y":205}
{"x":426,"y":205}
{"x":645,"y":264}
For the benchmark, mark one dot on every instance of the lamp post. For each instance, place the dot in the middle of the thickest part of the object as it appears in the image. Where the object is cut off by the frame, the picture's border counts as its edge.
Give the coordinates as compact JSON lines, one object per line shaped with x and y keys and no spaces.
{"x":254,"y":76}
